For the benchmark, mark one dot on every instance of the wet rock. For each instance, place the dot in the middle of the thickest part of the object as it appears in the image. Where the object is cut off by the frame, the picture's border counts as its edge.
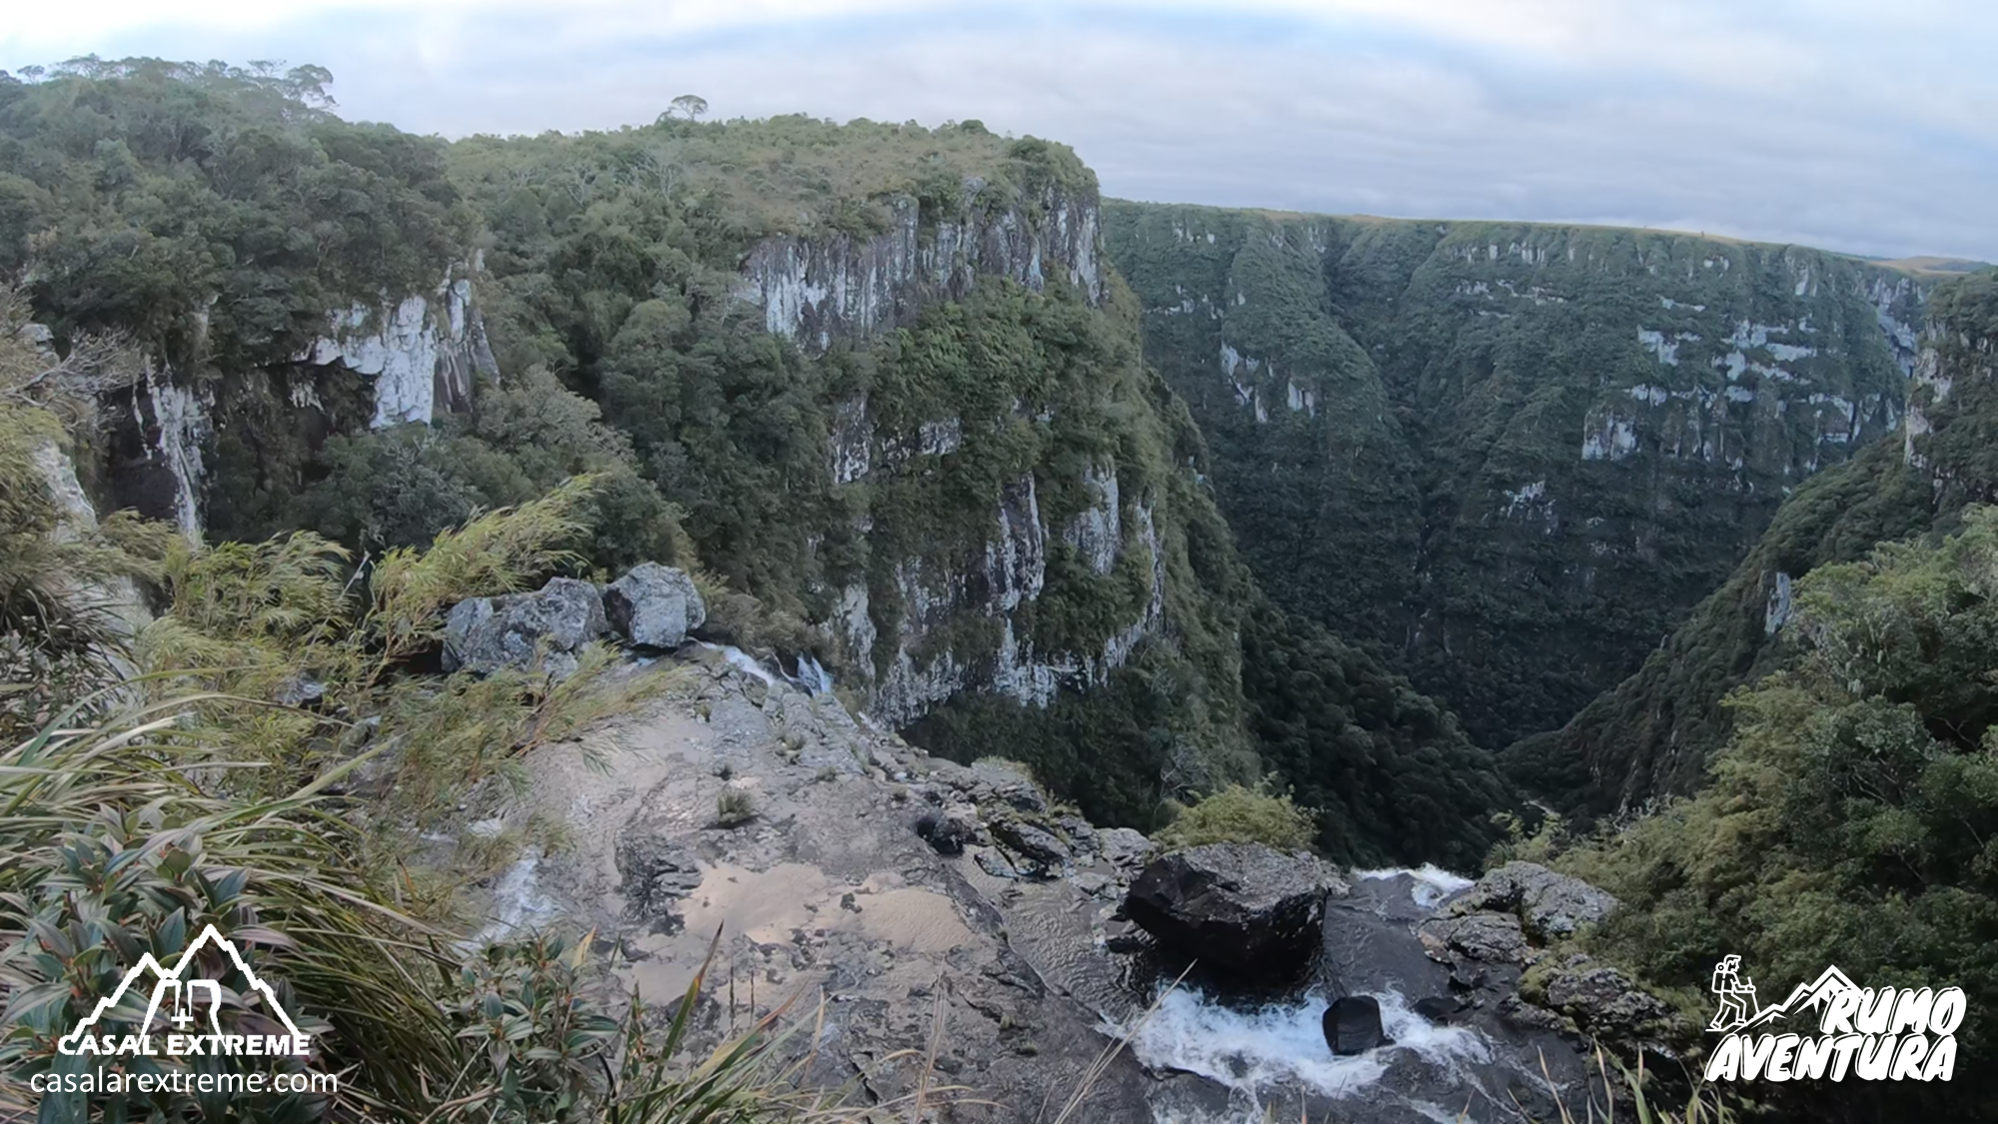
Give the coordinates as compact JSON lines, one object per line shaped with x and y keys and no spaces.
{"x":1043,"y":850}
{"x":1487,"y":937}
{"x":1243,"y":908}
{"x":483,"y":635}
{"x":1353,"y":1025}
{"x":1532,"y":1017}
{"x":1092,"y":883}
{"x":654,"y":606}
{"x":997,"y":865}
{"x":654,"y":871}
{"x":949,"y":829}
{"x":1439,"y":1009}
{"x":1552,"y":905}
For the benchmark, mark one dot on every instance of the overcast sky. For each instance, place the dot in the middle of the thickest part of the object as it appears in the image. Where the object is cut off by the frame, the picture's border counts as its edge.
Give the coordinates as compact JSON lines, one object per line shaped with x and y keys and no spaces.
{"x":1865,"y":126}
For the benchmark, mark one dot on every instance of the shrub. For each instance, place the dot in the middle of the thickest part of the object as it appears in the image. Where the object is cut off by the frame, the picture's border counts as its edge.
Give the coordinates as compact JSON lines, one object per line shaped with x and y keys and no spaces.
{"x":734,"y":807}
{"x":1239,"y":814}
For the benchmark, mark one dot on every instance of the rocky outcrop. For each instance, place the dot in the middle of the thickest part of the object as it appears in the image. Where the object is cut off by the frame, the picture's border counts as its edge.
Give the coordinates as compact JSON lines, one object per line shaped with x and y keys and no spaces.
{"x":815,"y":289}
{"x":423,"y":353}
{"x":859,"y":881}
{"x":1551,"y":905}
{"x":654,"y":606}
{"x":1494,"y":938}
{"x":540,"y":629}
{"x":1243,"y":908}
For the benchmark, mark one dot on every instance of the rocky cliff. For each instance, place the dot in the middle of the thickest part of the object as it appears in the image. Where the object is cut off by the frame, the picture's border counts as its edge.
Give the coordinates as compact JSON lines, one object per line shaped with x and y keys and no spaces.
{"x":1509,"y":457}
{"x":257,"y":425}
{"x":1653,"y":732}
{"x":952,"y":616}
{"x":904,"y":904}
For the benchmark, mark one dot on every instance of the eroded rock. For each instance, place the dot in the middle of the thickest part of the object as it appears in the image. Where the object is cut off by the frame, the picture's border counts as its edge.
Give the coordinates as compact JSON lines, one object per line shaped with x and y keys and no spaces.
{"x":1042,"y":850}
{"x":1487,"y":937}
{"x":949,"y":829}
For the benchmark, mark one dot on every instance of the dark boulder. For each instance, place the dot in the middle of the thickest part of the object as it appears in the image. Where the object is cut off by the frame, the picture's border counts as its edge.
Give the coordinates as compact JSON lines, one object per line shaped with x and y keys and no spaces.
{"x":1353,"y":1026}
{"x":1439,"y":1009}
{"x":1246,"y":909}
{"x":1040,"y":849}
{"x":948,"y":830}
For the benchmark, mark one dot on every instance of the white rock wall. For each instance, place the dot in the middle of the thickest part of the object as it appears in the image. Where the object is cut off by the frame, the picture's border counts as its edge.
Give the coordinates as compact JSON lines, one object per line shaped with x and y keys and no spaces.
{"x":422,"y":351}
{"x":818,"y":289}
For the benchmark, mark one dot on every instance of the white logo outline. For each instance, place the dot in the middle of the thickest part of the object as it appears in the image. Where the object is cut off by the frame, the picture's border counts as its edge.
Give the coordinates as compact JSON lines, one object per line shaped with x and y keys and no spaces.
{"x":183,"y":990}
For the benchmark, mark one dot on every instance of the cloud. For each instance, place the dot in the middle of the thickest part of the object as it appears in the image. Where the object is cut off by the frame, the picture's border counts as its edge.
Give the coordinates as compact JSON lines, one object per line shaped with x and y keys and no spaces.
{"x":1839,"y":124}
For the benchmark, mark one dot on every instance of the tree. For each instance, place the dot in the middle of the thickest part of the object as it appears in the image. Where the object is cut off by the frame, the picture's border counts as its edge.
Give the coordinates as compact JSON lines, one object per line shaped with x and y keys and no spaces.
{"x":689,"y":106}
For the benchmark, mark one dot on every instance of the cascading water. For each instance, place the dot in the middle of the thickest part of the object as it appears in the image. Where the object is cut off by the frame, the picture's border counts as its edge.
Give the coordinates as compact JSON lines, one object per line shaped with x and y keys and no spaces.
{"x":1223,"y":1057}
{"x":812,"y":676}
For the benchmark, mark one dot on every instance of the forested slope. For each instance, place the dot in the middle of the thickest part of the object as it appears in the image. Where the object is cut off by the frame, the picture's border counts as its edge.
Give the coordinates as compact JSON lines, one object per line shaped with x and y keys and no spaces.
{"x":875,"y":381}
{"x":1508,"y":457}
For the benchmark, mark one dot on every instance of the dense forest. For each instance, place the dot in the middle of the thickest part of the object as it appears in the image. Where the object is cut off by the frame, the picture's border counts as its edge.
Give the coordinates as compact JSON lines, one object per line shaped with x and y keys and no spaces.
{"x":607,"y":269}
{"x":1507,"y":458}
{"x":1685,"y":533}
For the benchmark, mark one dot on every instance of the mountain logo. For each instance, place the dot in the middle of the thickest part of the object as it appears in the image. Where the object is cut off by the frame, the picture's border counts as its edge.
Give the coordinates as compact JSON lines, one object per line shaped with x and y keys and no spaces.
{"x":183,"y":1012}
{"x":1875,"y":1034}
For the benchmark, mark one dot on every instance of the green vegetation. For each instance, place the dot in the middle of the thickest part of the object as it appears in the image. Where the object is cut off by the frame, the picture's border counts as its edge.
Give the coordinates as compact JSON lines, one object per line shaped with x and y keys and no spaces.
{"x":1654,"y":732}
{"x":1390,"y":773}
{"x":1402,"y":446}
{"x":215,"y":214}
{"x":606,"y":267}
{"x":1849,"y":816}
{"x":734,"y":807}
{"x":1239,"y":815}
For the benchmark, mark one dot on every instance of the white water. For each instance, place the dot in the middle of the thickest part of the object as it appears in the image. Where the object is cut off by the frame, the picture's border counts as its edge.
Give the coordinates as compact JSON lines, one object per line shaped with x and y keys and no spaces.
{"x":519,"y":903}
{"x":1261,"y":1052}
{"x":813,"y":675}
{"x":1282,"y":1046}
{"x":1432,"y":883}
{"x":749,"y":664}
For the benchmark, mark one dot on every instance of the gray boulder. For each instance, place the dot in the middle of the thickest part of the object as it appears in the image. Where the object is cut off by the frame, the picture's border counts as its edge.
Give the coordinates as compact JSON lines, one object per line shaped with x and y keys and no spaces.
{"x":1552,"y":905}
{"x":1243,"y":908}
{"x":1122,"y":847}
{"x":654,"y":606}
{"x":1041,"y":849}
{"x":484,"y":635}
{"x":1484,"y":936}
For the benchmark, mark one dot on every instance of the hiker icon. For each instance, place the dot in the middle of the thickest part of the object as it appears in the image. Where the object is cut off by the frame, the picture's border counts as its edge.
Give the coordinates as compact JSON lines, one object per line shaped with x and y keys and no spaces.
{"x":1736,"y":992}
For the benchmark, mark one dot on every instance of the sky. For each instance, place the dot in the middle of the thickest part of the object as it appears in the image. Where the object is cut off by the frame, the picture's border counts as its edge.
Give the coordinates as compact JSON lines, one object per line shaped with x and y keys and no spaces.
{"x":1869,"y":127}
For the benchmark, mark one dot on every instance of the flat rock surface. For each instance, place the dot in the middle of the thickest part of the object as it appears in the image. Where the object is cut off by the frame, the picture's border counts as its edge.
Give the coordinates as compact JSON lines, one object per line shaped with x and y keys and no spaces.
{"x":828,"y":894}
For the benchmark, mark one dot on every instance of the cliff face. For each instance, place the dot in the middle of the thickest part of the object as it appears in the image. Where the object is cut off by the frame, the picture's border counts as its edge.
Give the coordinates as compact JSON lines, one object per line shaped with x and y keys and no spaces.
{"x":948,"y":602}
{"x":409,"y":360}
{"x":1510,"y":457}
{"x":817,"y":289}
{"x":1653,"y":732}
